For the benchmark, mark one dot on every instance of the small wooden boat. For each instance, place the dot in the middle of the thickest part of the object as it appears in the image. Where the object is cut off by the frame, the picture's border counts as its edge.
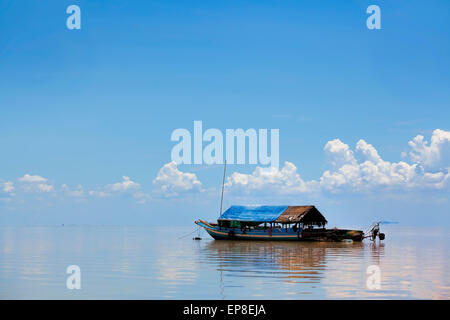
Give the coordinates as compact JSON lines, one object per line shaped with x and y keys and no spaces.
{"x":292,"y":223}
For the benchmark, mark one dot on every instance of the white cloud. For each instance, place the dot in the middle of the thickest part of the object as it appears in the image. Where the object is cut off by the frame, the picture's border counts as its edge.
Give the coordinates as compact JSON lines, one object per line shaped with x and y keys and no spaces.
{"x":126,"y":184}
{"x":32,"y":179}
{"x":286,"y":180}
{"x":339,"y":153}
{"x":43,"y":187}
{"x":172,"y":180}
{"x":366,"y":152}
{"x":435,"y":155}
{"x":372,"y":172}
{"x":426,"y":165}
{"x":358,"y":170}
{"x":35,"y":184}
{"x":7,"y":187}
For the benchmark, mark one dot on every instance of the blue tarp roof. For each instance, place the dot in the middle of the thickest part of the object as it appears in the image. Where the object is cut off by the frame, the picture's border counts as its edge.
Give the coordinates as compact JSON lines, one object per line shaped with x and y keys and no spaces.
{"x":253,"y":213}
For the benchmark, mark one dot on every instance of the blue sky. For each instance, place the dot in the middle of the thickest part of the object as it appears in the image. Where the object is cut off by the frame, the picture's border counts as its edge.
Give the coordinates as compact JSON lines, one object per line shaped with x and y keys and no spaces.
{"x":88,"y":107}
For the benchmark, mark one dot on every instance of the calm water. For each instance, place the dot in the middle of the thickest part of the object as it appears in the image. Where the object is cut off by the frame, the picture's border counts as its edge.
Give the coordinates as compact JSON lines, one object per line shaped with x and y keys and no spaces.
{"x":152,"y":263}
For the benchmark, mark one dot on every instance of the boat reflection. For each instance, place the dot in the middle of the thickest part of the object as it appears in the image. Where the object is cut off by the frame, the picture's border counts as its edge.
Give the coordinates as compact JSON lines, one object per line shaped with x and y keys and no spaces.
{"x":376,"y":252}
{"x":292,"y":261}
{"x":295,"y":268}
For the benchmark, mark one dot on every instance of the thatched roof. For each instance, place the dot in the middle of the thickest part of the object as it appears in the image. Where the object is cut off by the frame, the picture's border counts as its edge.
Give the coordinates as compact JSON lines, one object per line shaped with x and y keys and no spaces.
{"x":302,"y":214}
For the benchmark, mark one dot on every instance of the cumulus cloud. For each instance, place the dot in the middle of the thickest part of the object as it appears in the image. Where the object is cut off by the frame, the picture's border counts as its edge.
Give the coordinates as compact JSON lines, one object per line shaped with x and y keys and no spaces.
{"x":426,"y":165}
{"x":286,"y":180}
{"x":372,"y":172}
{"x":435,"y":155}
{"x":125,"y":185}
{"x":172,"y":180}
{"x":359,"y":170}
{"x":35,"y":184}
{"x":45,"y":187}
{"x":339,"y":153}
{"x":32,"y":179}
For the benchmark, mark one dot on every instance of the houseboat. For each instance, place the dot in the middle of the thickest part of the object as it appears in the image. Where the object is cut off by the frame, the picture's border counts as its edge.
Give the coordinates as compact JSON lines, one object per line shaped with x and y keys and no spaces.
{"x":291,"y":223}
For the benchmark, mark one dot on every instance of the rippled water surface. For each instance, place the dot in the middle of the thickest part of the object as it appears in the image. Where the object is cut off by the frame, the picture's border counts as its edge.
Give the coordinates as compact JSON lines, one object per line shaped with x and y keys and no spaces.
{"x":153,"y":263}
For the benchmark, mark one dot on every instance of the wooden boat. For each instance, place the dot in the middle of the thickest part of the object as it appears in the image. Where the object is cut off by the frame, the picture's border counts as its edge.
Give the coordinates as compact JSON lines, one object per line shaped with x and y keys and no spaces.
{"x":291,"y":223}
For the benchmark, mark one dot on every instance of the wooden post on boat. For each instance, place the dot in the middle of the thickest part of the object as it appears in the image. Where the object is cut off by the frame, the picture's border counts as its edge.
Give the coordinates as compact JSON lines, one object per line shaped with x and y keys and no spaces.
{"x":223,"y":183}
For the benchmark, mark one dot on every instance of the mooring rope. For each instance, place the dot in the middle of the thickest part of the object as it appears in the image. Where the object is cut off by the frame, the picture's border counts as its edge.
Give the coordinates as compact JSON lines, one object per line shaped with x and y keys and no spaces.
{"x":196,"y":230}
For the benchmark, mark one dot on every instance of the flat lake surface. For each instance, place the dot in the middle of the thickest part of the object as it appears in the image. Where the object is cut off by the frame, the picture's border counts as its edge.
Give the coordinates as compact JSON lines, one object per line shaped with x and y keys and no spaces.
{"x":153,"y":263}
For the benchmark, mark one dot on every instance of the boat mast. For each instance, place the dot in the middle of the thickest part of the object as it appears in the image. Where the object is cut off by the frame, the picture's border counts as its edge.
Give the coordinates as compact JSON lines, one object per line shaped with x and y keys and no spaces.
{"x":223,"y":183}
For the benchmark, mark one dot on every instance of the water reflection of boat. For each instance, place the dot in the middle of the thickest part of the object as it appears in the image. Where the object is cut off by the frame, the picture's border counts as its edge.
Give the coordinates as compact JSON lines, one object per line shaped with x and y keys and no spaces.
{"x":286,"y":270}
{"x":298,"y":262}
{"x":294,"y":223}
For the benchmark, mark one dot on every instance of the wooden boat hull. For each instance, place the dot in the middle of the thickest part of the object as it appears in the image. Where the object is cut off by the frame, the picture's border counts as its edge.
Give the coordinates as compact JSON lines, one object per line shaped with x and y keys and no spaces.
{"x":281,"y":234}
